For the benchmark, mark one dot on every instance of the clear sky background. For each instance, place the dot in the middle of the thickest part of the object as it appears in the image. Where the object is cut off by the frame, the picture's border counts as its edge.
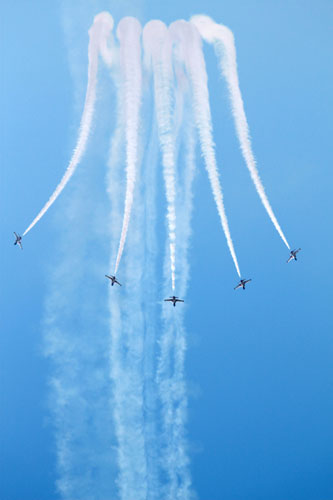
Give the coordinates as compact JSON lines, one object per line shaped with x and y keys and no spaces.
{"x":259,"y":362}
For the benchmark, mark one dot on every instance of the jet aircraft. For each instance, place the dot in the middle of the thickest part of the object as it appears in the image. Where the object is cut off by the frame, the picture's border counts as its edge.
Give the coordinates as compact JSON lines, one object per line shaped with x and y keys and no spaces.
{"x":113,"y":280}
{"x":242,"y":284}
{"x":173,"y":299}
{"x":18,"y":240}
{"x":293,"y":255}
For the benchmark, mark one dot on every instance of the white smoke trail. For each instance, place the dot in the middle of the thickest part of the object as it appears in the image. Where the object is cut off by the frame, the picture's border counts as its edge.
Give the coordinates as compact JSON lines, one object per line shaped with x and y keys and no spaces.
{"x":128,"y":33}
{"x":98,"y":33}
{"x":146,"y":470}
{"x":170,"y":370}
{"x":76,"y":342}
{"x":106,"y":42}
{"x":79,"y":387}
{"x":157,"y":47}
{"x":127,"y":330}
{"x":150,"y":311}
{"x":189,"y":46}
{"x":223,"y":40}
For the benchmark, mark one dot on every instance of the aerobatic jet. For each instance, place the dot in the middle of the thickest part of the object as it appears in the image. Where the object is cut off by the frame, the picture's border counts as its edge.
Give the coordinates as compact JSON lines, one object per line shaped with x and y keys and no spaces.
{"x":293,"y":255}
{"x":113,"y":280}
{"x":173,"y":299}
{"x":242,"y":284}
{"x":18,"y":240}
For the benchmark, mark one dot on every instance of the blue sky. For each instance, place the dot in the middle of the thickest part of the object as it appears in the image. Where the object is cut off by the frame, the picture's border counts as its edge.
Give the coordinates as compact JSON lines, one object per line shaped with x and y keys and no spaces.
{"x":258,"y":364}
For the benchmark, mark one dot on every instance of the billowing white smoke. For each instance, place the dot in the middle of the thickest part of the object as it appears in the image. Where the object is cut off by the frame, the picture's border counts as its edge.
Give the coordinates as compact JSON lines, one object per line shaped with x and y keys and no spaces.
{"x":98,"y":33}
{"x":189,"y":46}
{"x":129,"y":33}
{"x":157,"y":47}
{"x":224,"y":45}
{"x":148,"y":392}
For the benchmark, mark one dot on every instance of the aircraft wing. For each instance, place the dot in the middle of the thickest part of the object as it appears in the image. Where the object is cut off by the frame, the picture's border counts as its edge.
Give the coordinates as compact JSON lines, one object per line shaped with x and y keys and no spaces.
{"x":180,"y":300}
{"x":117,"y":282}
{"x":238,"y":286}
{"x":167,"y":300}
{"x":290,"y":258}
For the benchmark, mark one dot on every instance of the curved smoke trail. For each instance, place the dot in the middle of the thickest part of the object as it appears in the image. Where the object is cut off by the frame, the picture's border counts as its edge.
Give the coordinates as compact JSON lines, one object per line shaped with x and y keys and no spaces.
{"x":128,"y":33}
{"x":106,"y":43}
{"x":99,"y":31}
{"x":189,"y":46}
{"x":157,"y":46}
{"x":223,"y":40}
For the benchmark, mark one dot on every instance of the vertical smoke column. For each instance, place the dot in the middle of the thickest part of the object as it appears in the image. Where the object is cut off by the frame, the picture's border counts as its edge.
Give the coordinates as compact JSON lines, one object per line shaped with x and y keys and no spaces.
{"x":150,"y":308}
{"x":223,"y":40}
{"x":128,"y":33}
{"x":98,"y":33}
{"x":170,"y":377}
{"x":127,"y":330}
{"x":189,"y":46}
{"x":157,"y":46}
{"x":79,"y":385}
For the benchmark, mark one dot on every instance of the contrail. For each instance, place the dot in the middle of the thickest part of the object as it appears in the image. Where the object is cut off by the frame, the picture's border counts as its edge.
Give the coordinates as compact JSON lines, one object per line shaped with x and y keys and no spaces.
{"x":189,"y":46}
{"x":223,"y":40}
{"x":157,"y":46}
{"x":99,"y":31}
{"x":128,"y":33}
